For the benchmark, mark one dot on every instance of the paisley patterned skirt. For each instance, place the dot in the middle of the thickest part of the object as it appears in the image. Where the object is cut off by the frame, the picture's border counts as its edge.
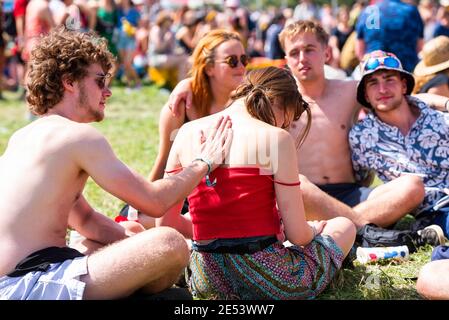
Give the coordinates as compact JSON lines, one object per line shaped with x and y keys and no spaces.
{"x":277,"y":272}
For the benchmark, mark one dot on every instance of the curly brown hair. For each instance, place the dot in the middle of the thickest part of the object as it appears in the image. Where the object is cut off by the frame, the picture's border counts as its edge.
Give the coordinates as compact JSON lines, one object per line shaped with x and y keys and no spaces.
{"x":62,"y":54}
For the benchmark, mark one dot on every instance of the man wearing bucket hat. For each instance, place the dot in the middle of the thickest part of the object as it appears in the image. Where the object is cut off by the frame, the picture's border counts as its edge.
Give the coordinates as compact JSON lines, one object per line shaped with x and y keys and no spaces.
{"x":400,"y":135}
{"x":432,"y":72}
{"x":325,"y":154}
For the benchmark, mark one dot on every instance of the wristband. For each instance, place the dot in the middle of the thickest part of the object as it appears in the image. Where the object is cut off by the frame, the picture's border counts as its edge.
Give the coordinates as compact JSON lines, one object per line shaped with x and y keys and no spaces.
{"x":209,"y":169}
{"x":446,"y":105}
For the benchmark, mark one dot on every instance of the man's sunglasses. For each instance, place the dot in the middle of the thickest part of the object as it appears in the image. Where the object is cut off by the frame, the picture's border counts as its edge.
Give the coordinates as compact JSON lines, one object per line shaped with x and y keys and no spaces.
{"x":233,"y":60}
{"x":389,"y":62}
{"x":102,"y":79}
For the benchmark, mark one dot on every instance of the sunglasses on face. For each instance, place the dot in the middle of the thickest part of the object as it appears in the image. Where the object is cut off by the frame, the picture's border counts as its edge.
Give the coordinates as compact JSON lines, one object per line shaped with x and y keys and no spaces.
{"x":390,"y":62}
{"x":233,"y":60}
{"x":101,"y":79}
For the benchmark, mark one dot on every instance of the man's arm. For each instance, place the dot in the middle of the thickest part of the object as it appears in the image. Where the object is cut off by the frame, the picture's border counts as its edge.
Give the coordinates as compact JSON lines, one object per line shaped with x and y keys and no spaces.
{"x":94,"y":225}
{"x":94,"y":155}
{"x":289,"y":198}
{"x":435,"y":101}
{"x":442,"y":90}
{"x":181,"y":93}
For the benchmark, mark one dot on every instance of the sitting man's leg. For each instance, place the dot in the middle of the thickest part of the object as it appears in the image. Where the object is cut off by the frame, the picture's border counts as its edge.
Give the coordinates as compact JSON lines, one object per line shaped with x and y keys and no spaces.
{"x":384,"y":206}
{"x":151,"y":260}
{"x":433,"y":280}
{"x":389,"y":202}
{"x":319,"y":205}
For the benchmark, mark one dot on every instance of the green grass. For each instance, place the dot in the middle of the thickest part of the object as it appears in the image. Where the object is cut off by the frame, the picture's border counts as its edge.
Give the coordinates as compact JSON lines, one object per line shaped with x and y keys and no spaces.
{"x":383,"y":280}
{"x":130,"y":126}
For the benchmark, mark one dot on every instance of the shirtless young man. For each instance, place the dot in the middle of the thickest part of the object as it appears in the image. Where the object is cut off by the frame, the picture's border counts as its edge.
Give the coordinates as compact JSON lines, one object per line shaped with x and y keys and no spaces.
{"x":325,"y":154}
{"x":42,"y":175}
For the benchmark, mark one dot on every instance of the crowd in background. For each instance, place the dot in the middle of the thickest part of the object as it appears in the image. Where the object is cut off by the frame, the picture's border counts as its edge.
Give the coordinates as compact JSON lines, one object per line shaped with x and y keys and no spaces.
{"x":152,"y":39}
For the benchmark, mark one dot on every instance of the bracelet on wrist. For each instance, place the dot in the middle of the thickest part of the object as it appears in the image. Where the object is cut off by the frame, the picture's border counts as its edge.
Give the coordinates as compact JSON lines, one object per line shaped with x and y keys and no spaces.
{"x":446,"y":105}
{"x":209,"y":169}
{"x":209,"y":164}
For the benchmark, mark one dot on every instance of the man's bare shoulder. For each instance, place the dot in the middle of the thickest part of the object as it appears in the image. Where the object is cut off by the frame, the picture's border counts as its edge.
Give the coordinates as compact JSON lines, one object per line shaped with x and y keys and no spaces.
{"x":344,"y":93}
{"x":56,"y":128}
{"x":85,"y":131}
{"x":53,"y":143}
{"x":346,"y":84}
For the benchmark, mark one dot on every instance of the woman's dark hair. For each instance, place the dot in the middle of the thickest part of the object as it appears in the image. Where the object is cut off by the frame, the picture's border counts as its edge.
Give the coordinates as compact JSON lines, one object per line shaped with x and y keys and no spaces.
{"x":262,"y":88}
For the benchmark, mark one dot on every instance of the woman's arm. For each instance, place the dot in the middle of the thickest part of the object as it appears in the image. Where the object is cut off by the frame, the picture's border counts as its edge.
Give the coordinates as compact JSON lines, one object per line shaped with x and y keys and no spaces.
{"x":289,"y":198}
{"x":173,"y":218}
{"x":168,"y":128}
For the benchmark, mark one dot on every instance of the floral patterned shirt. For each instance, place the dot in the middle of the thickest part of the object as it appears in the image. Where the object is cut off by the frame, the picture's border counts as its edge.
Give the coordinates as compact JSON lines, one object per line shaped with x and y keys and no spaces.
{"x":424,"y":151}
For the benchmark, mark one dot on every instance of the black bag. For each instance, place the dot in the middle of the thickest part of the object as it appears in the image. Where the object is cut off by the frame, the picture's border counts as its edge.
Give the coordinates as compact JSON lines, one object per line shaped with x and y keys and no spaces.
{"x":373,"y":236}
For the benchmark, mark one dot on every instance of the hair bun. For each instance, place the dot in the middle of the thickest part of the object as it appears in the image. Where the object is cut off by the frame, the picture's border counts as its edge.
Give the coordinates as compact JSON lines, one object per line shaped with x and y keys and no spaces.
{"x":256,"y":89}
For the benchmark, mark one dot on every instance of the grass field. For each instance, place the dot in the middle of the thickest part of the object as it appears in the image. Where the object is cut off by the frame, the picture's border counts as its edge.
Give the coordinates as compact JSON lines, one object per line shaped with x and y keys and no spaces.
{"x":130,"y":126}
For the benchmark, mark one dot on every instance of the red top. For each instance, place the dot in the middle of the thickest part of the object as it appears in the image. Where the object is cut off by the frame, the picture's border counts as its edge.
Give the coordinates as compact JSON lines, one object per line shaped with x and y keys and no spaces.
{"x":242,"y":204}
{"x":20,"y":8}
